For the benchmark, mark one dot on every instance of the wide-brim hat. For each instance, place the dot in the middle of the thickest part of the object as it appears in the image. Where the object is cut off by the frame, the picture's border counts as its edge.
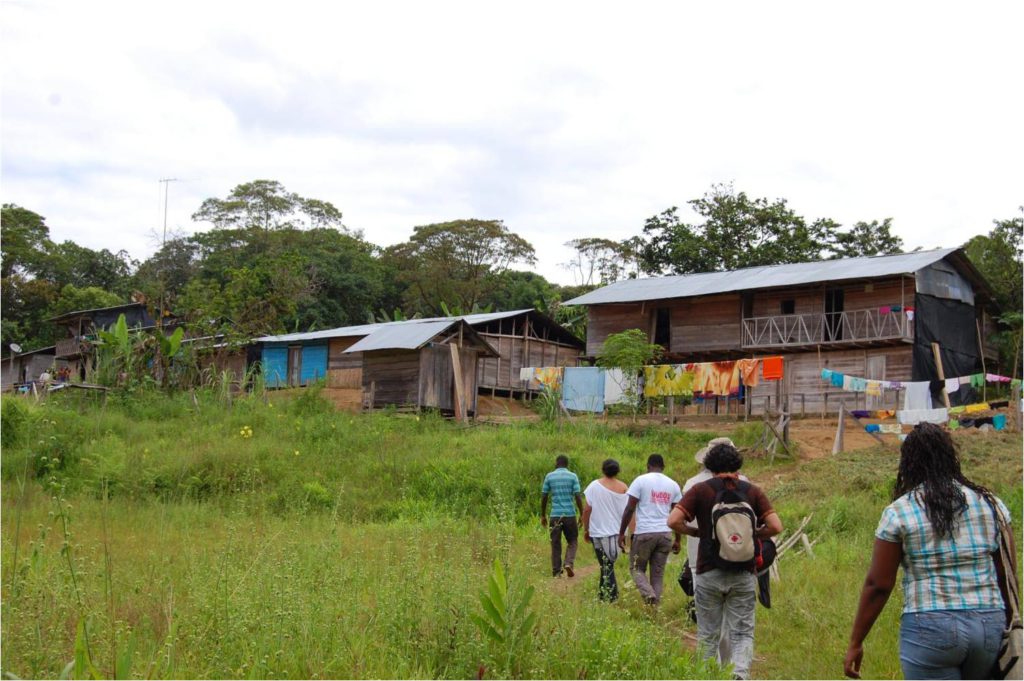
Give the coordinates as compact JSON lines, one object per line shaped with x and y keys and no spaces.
{"x":701,"y":453}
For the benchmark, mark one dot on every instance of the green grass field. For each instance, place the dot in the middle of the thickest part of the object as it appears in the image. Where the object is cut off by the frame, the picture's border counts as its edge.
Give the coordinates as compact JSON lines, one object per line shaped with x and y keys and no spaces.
{"x":327,"y":544}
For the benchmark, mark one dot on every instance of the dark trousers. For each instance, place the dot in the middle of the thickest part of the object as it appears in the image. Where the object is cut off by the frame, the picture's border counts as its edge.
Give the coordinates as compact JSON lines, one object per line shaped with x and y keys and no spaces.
{"x":558,"y":526}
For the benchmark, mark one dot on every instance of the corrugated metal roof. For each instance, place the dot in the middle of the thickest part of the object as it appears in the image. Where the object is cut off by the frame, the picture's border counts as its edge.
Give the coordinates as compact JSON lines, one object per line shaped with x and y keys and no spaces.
{"x":402,"y":336}
{"x":367,"y":329}
{"x":771,"y":276}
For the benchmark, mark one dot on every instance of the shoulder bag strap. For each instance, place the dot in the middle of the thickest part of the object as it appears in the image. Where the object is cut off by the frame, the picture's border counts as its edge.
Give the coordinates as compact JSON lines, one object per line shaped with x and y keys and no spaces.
{"x":1009,"y":574}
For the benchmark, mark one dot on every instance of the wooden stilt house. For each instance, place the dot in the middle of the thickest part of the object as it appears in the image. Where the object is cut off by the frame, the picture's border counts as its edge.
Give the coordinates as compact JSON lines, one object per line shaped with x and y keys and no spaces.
{"x":873,"y":317}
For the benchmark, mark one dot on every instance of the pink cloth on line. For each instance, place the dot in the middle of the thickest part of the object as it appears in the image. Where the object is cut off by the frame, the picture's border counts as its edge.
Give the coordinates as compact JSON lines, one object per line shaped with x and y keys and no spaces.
{"x":885,"y":309}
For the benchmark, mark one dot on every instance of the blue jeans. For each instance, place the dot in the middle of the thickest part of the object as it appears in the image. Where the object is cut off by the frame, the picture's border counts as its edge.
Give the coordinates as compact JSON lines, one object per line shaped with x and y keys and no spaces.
{"x":950,"y":644}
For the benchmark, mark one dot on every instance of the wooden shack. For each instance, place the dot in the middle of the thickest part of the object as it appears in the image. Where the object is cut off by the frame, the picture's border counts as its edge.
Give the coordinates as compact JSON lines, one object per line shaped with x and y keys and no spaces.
{"x":430,"y":364}
{"x":518,"y":337}
{"x":874,"y":317}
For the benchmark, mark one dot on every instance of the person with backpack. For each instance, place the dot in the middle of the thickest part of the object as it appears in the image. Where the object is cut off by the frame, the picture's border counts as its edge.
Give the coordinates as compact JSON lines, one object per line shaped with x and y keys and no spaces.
{"x":693,"y":542}
{"x":651,"y":497}
{"x":563,"y":487}
{"x":732,"y":517}
{"x":946,"y":532}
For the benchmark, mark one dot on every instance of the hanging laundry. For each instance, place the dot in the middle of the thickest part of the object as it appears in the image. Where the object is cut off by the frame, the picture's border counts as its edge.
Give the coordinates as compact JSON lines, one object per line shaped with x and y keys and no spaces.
{"x":861,"y":414}
{"x":872,"y":428}
{"x":917,"y":396}
{"x":957,"y":410}
{"x":953,"y":424}
{"x":912,"y":417}
{"x":728,"y":378}
{"x":583,"y":389}
{"x":546,"y":377}
{"x":975,"y":408}
{"x":874,"y":388}
{"x":896,"y":308}
{"x":964,"y":380}
{"x":996,"y":378}
{"x":826,"y":374}
{"x":952,"y":385}
{"x":999,"y":421}
{"x":910,"y":314}
{"x":666,"y":380}
{"x":858,"y":385}
{"x":837,"y":379}
{"x":977,"y":380}
{"x":892,"y":385}
{"x":619,"y":388}
{"x":893,"y":428}
{"x":715,"y":378}
{"x":885,"y":414}
{"x":748,"y":371}
{"x":885,"y":309}
{"x":848,"y":383}
{"x":772,"y":368}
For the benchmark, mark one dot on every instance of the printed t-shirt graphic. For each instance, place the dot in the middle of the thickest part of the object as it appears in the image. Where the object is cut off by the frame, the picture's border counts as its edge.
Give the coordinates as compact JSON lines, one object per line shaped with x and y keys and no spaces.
{"x":655,"y":493}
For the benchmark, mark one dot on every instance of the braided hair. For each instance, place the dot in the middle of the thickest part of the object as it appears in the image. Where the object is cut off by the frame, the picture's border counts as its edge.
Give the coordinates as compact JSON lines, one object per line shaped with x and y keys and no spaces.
{"x":930,"y":467}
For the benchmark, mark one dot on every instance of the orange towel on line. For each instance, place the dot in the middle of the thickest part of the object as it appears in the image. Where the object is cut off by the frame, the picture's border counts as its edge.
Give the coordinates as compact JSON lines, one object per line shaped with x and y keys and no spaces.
{"x":771,"y":368}
{"x":748,"y":371}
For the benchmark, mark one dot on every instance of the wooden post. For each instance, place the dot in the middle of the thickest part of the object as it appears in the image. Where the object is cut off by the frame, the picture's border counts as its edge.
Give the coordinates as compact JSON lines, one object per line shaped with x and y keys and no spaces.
{"x":981,"y":351}
{"x":670,"y":401}
{"x":786,"y":415}
{"x":942,"y":374}
{"x":803,"y":404}
{"x":373,"y":396}
{"x":837,"y":445}
{"x":460,"y":405}
{"x":1014,"y":411}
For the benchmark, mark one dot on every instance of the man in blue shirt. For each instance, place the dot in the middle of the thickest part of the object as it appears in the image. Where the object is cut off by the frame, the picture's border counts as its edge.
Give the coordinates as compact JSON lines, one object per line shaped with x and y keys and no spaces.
{"x":563,"y":487}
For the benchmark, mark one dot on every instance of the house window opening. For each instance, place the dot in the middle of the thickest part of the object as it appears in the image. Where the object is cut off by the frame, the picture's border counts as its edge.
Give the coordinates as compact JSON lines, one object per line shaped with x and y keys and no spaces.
{"x":787,"y":307}
{"x":662,"y":327}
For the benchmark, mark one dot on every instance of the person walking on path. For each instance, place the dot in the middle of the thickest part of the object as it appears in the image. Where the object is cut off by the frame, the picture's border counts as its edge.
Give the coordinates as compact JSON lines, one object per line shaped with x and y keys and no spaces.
{"x":692,"y":542}
{"x":563,"y":488}
{"x":651,"y":497}
{"x":731,"y":516}
{"x":943,"y":529}
{"x":606,"y":500}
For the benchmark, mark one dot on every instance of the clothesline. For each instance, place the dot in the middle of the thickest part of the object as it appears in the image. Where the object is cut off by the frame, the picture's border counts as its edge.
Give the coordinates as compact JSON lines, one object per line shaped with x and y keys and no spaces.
{"x":593,"y":388}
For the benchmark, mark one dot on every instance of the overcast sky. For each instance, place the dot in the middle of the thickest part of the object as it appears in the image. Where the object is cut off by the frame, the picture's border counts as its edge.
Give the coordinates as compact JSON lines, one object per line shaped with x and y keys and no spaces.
{"x":562,"y":119}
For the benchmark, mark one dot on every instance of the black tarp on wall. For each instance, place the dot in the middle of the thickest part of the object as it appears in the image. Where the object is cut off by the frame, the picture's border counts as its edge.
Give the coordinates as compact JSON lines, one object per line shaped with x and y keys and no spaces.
{"x":951,"y":324}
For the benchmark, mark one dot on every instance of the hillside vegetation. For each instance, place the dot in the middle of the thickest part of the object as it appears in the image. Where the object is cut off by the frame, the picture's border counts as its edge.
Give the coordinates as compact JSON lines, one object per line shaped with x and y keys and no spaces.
{"x":283,"y":539}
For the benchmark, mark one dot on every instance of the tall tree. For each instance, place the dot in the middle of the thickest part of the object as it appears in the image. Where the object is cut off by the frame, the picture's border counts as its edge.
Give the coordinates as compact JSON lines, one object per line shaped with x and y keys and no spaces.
{"x":603,"y":261}
{"x":24,"y":239}
{"x":998,"y":255}
{"x":266,"y":204}
{"x":866,"y":238}
{"x":736,"y":231}
{"x":457,"y":262}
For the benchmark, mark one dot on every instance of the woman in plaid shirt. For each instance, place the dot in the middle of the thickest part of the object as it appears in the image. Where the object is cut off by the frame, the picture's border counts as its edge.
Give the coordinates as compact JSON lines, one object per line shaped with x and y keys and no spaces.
{"x":942,"y":528}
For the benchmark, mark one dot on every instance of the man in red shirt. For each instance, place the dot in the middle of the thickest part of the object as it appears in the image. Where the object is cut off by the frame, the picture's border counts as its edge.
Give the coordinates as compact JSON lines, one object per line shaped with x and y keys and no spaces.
{"x":727,"y":587}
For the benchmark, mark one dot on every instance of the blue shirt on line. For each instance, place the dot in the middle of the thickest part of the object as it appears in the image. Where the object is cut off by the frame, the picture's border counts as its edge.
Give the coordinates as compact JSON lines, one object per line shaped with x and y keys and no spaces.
{"x":562,"y":486}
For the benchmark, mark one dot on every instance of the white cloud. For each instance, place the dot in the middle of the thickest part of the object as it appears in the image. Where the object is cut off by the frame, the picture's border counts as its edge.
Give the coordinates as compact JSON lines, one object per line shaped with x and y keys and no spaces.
{"x":564,"y":120}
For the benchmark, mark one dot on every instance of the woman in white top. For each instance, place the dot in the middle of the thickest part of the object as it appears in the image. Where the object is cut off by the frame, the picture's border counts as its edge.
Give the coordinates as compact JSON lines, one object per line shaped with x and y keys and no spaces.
{"x":606,"y":500}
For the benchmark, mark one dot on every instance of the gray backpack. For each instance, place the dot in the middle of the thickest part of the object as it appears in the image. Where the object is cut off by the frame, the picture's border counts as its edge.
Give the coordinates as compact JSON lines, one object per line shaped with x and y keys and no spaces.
{"x":733,"y":521}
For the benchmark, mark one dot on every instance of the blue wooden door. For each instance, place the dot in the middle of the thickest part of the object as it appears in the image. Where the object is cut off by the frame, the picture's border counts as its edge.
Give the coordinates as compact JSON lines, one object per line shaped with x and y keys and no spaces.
{"x":275,"y":366}
{"x":314,"y":363}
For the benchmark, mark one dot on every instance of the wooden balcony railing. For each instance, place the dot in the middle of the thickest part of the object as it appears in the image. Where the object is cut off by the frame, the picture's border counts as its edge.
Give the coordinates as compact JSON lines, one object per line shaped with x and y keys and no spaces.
{"x":855,"y":327}
{"x":68,"y":347}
